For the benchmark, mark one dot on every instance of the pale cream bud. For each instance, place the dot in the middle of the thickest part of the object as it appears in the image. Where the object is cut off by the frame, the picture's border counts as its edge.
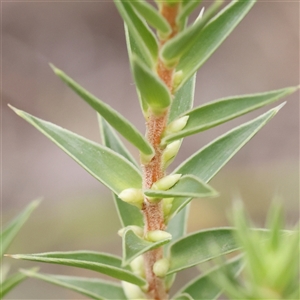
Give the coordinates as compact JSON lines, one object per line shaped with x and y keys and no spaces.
{"x":161,"y":267}
{"x":170,"y":152}
{"x":132,"y":196}
{"x":177,"y":79}
{"x":176,"y":125}
{"x":137,"y":266}
{"x":157,"y":235}
{"x":132,"y":291}
{"x":167,"y":205}
{"x":166,"y":182}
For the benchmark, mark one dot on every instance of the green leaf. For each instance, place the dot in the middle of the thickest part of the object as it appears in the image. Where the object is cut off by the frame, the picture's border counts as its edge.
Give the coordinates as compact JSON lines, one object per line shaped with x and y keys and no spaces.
{"x":212,"y":35}
{"x":186,"y":39}
{"x":152,"y":16}
{"x":187,"y":186}
{"x":223,"y":110}
{"x":205,"y":163}
{"x":115,"y":119}
{"x":187,"y":10}
{"x":128,"y":214}
{"x":142,"y":35}
{"x":196,"y":248}
{"x":183,"y":99}
{"x":111,"y":140}
{"x":91,"y":287}
{"x":134,"y":246}
{"x":177,"y":226}
{"x":152,"y":89}
{"x":133,"y":51}
{"x":100,"y":262}
{"x":203,"y":287}
{"x":208,"y":161}
{"x":11,"y":230}
{"x":10,"y":283}
{"x":107,"y":166}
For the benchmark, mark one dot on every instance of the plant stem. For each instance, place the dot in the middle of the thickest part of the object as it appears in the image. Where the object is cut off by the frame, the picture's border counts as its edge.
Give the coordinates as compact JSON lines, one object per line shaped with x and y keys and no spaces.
{"x":153,"y":171}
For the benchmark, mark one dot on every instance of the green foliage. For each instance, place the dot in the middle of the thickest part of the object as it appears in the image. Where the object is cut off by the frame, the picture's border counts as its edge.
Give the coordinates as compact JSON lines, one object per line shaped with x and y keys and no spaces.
{"x":220,"y":111}
{"x":99,"y":161}
{"x":153,"y":206}
{"x":116,"y":120}
{"x":8,"y":233}
{"x":95,"y":261}
{"x":134,"y":246}
{"x":203,"y":288}
{"x":212,"y":36}
{"x":93,"y":288}
{"x":154,"y":92}
{"x":270,"y":259}
{"x":144,"y":40}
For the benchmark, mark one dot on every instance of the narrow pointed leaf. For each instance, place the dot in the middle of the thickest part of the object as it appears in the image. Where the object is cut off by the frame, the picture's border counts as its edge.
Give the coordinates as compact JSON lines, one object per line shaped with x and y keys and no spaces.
{"x":205,"y":163}
{"x":185,"y":40}
{"x":152,"y":89}
{"x":10,"y":283}
{"x":107,"y":166}
{"x":187,"y":186}
{"x":134,"y":51}
{"x":208,"y":161}
{"x":183,"y":99}
{"x":177,"y":226}
{"x":187,"y":10}
{"x":128,"y":214}
{"x":111,"y":140}
{"x":203,"y":287}
{"x":134,"y":246}
{"x":99,"y":262}
{"x":212,"y":35}
{"x":152,"y":16}
{"x":223,"y":110}
{"x":142,"y":35}
{"x":93,"y":288}
{"x":196,"y":248}
{"x":115,"y":119}
{"x":10,"y":231}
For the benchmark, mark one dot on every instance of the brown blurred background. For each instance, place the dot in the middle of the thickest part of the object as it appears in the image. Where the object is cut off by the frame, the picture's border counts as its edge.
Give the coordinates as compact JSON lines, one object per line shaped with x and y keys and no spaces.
{"x":86,"y":40}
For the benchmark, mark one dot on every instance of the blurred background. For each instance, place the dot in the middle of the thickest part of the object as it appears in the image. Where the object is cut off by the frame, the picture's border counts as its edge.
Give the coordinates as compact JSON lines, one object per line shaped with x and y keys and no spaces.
{"x":86,"y":40}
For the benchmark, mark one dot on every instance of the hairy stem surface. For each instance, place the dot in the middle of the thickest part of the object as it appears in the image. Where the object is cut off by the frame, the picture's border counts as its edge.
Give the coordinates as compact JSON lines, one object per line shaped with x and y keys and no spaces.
{"x":153,"y":171}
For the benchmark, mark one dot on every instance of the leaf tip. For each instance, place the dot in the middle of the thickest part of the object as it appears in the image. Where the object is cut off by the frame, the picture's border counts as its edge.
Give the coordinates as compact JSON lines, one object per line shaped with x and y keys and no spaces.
{"x":277,"y":108}
{"x":15,"y":256}
{"x":57,"y":71}
{"x":17,"y":111}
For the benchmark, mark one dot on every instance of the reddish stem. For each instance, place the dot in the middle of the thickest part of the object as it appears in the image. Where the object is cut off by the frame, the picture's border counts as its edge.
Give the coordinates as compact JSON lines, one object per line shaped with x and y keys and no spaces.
{"x":153,"y":171}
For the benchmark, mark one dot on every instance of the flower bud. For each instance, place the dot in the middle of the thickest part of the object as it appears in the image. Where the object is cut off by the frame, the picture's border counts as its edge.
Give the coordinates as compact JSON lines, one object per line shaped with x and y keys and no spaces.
{"x":136,"y":229}
{"x":176,"y":125}
{"x":177,"y":79}
{"x":137,"y":266}
{"x":166,"y":182}
{"x":157,"y":235}
{"x":132,"y":291}
{"x":170,"y":152}
{"x":161,"y":267}
{"x":167,"y":205}
{"x":132,"y":196}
